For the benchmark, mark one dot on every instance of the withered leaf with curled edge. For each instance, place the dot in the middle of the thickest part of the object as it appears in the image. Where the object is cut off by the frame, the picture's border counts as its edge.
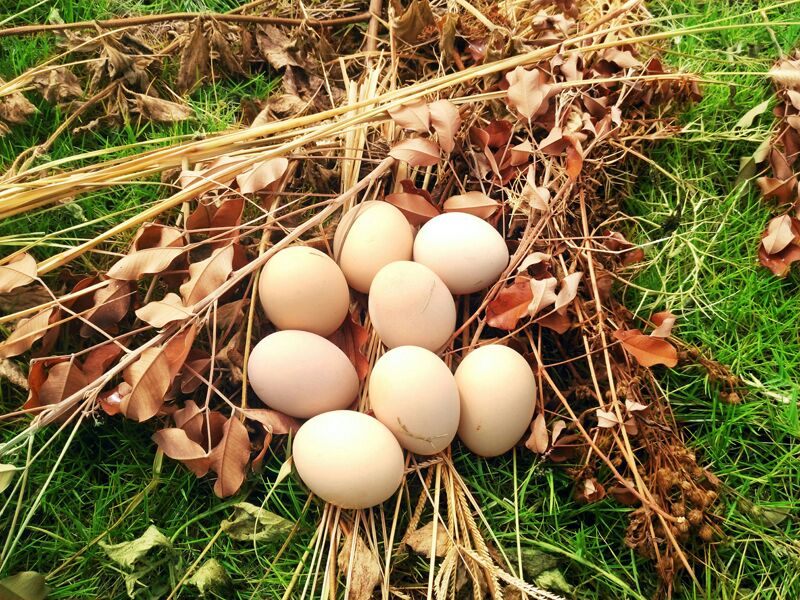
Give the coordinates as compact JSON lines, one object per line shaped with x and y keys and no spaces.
{"x":20,"y":271}
{"x":144,"y":262}
{"x":160,"y":110}
{"x":195,"y":59}
{"x":207,"y":275}
{"x":360,"y":567}
{"x":415,"y":207}
{"x":100,"y":358}
{"x":63,"y":380}
{"x":528,"y":91}
{"x":415,"y":115}
{"x":276,"y":422}
{"x":57,"y":85}
{"x":421,"y":540}
{"x":446,"y":121}
{"x":510,"y":305}
{"x":111,"y":304}
{"x":417,"y":152}
{"x":351,"y":337}
{"x":26,"y":333}
{"x":408,"y":24}
{"x":781,"y":231}
{"x":474,"y":203}
{"x":251,"y":523}
{"x":215,"y":217}
{"x":664,"y":321}
{"x":539,"y":439}
{"x":176,"y":444}
{"x":648,"y":351}
{"x":159,"y":313}
{"x":15,"y":108}
{"x":262,"y":174}
{"x":229,"y":458}
{"x":151,"y":375}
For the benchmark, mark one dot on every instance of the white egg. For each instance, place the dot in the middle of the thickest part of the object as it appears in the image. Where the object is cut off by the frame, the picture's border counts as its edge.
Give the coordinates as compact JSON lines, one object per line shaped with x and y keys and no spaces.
{"x":498,"y":396}
{"x":415,"y":395}
{"x":465,"y":251}
{"x":303,"y":288}
{"x":370,"y":236}
{"x":348,"y":458}
{"x":409,"y":305}
{"x":301,"y":374}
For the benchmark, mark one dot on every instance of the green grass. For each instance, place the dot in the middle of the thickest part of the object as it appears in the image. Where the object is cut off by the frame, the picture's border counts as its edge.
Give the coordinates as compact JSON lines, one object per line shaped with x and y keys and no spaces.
{"x":705,"y":271}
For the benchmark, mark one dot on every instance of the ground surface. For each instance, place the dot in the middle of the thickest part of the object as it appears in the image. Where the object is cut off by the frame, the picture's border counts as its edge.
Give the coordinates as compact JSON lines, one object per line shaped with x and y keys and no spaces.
{"x":704,"y":270}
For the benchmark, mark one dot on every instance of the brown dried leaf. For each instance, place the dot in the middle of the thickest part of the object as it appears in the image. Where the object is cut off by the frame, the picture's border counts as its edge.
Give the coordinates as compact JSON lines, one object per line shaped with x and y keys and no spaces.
{"x":273,"y":421}
{"x":664,"y":322}
{"x":63,"y":380}
{"x":211,"y":173}
{"x":417,"y":152}
{"x":21,"y":271}
{"x":569,"y":289}
{"x":156,"y":235}
{"x":446,"y":121}
{"x":192,"y":420}
{"x":543,"y":293}
{"x":527,"y":91}
{"x":421,"y":540}
{"x":510,"y":305}
{"x":195,"y":370}
{"x":261,"y":175}
{"x":539,"y":439}
{"x":351,"y":338}
{"x":219,"y":216}
{"x":195,"y":59}
{"x":161,"y":312}
{"x":589,"y":490}
{"x":277,"y":48}
{"x":474,"y":203}
{"x":57,"y":85}
{"x":229,"y":458}
{"x":606,"y":419}
{"x":26,"y":333}
{"x":781,"y":189}
{"x":362,"y":568}
{"x":415,"y":115}
{"x":15,"y":108}
{"x":111,"y":304}
{"x":176,"y":444}
{"x":415,"y":207}
{"x":207,"y":275}
{"x":408,"y":24}
{"x":781,"y":262}
{"x":648,"y":351}
{"x":160,"y":110}
{"x":557,"y":321}
{"x":778,"y":235}
{"x":144,"y":262}
{"x":99,"y":359}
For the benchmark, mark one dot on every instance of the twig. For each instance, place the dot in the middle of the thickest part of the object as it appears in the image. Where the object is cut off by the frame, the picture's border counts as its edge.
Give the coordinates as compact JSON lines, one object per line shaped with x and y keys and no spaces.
{"x":375,"y":7}
{"x":184,"y":16}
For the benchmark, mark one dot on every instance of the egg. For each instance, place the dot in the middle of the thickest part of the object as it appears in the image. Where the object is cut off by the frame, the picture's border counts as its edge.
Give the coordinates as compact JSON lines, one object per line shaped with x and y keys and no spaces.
{"x":301,"y":374}
{"x":465,"y":251}
{"x":498,"y":394}
{"x":415,"y":395}
{"x":303,"y":288}
{"x":370,"y":236}
{"x":409,"y":305}
{"x":348,"y":459}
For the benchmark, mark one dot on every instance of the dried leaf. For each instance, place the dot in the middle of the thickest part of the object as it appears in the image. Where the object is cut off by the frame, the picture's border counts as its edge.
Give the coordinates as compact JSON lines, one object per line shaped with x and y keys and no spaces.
{"x":408,"y":24}
{"x":219,"y":216}
{"x":633,"y":406}
{"x":210,"y":578}
{"x":144,"y":262}
{"x":538,"y":261}
{"x":261,"y":175}
{"x":664,"y":322}
{"x":779,"y":263}
{"x":606,"y":418}
{"x":779,"y":234}
{"x":446,"y":121}
{"x":543,"y":292}
{"x":590,"y":490}
{"x":539,"y":439}
{"x":99,"y":359}
{"x":127,"y":554}
{"x":15,"y":108}
{"x":21,"y":271}
{"x":195,"y":59}
{"x":415,"y":207}
{"x":569,"y":289}
{"x":351,"y":338}
{"x":415,"y":115}
{"x":175,"y":443}
{"x":229,"y":458}
{"x":275,"y":422}
{"x":206,"y":276}
{"x":558,"y":322}
{"x":111,"y":304}
{"x":780,"y":189}
{"x":57,"y":85}
{"x":7,"y":473}
{"x":648,"y":351}
{"x":359,"y":566}
{"x":159,"y":313}
{"x":417,"y":152}
{"x":277,"y":48}
{"x":527,"y":91}
{"x":251,"y":523}
{"x":748,"y":117}
{"x":421,"y":540}
{"x":156,"y":235}
{"x":197,"y":365}
{"x":63,"y":380}
{"x":27,"y":585}
{"x":160,"y":110}
{"x":510,"y":305}
{"x":26,"y":333}
{"x":474,"y":203}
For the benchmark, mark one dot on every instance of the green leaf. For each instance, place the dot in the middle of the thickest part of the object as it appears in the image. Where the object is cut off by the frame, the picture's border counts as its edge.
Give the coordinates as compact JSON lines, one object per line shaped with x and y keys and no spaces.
{"x":7,"y":473}
{"x":127,"y":554}
{"x":28,"y":585}
{"x":210,"y":576}
{"x":251,"y":523}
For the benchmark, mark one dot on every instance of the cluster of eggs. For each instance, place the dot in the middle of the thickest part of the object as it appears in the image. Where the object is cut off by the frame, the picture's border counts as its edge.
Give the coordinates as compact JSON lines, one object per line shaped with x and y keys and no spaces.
{"x":352,"y":459}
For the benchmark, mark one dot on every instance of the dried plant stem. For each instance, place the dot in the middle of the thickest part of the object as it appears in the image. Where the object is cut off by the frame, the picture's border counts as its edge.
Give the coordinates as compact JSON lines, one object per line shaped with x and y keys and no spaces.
{"x":183,"y":16}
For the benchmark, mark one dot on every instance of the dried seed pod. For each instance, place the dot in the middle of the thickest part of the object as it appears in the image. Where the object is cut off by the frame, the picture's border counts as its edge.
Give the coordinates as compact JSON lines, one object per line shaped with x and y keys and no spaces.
{"x":679,"y":509}
{"x":695,"y":517}
{"x":706,"y":533}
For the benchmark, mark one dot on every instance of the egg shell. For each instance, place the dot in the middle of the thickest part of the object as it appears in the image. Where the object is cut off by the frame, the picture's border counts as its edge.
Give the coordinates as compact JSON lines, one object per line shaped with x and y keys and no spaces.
{"x":370,"y":236}
{"x":409,"y":305}
{"x":303,"y":288}
{"x":465,"y":251}
{"x":348,"y":459}
{"x":415,"y":395}
{"x":301,"y":374}
{"x":498,"y":395}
